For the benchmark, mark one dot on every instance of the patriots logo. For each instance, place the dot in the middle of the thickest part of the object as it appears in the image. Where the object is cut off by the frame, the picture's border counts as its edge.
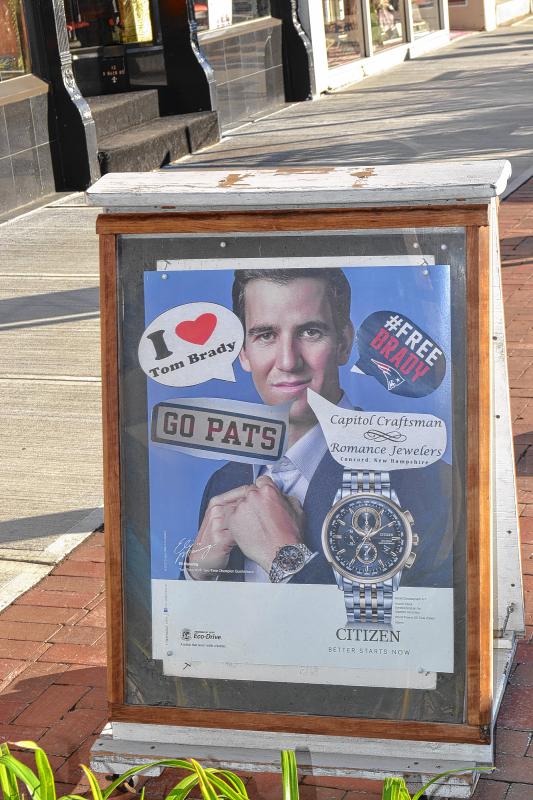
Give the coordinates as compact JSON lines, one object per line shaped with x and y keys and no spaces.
{"x":392,"y":376}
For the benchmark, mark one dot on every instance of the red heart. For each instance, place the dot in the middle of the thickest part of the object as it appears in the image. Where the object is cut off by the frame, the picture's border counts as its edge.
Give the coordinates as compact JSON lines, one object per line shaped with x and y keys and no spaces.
{"x":197,"y":330}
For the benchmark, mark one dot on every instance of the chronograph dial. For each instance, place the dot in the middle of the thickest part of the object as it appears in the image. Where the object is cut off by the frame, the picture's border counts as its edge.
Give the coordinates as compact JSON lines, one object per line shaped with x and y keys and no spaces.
{"x":366,"y":520}
{"x":367,"y":538}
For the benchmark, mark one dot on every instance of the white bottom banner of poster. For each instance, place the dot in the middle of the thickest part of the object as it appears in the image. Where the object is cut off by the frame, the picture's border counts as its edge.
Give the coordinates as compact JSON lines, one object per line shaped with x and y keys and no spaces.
{"x":212,"y":630}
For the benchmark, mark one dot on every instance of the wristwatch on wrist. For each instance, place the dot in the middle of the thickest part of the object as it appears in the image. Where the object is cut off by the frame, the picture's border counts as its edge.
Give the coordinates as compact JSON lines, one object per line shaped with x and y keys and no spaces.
{"x":368,"y":539}
{"x":288,"y":560}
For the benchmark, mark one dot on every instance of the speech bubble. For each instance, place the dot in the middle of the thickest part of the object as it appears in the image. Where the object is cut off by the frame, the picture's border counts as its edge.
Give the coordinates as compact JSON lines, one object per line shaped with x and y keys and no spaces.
{"x":191,"y":344}
{"x":380,"y":440}
{"x":399,"y":354}
{"x":251,"y":433}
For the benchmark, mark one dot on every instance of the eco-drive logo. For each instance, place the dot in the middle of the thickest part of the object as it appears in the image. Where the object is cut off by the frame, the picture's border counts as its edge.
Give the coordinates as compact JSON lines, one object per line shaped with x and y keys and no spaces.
{"x":208,"y":636}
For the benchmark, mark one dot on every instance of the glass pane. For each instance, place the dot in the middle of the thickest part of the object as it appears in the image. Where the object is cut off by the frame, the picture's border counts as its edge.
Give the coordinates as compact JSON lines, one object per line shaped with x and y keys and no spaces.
{"x":244,"y":10}
{"x":425,"y":17}
{"x":135,"y":20}
{"x":14,"y":59}
{"x":94,"y":23}
{"x":217,"y":14}
{"x":297,"y":644}
{"x":387,"y":22}
{"x":344,"y":31}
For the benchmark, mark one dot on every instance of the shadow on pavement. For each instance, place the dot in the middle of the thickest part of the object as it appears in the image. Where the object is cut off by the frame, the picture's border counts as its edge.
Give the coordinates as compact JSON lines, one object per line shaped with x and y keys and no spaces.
{"x":49,"y":308}
{"x":18,"y":530}
{"x":523,"y":451}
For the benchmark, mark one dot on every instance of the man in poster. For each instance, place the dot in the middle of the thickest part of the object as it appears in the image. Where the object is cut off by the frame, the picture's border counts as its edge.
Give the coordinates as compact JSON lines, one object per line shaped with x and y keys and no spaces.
{"x":298,"y":332}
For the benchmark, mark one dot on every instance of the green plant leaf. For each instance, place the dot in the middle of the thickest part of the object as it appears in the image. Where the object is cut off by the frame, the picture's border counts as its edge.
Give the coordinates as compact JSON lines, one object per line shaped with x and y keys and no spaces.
{"x":23,"y":773}
{"x":204,"y":782}
{"x":183,"y":788}
{"x":289,"y":775}
{"x":8,"y":782}
{"x":72,"y":797}
{"x":44,"y":770}
{"x":93,"y":783}
{"x":178,"y":763}
{"x":395,"y":789}
{"x":236,"y":782}
{"x":421,"y":791}
{"x":48,"y":786}
{"x":225,"y":787}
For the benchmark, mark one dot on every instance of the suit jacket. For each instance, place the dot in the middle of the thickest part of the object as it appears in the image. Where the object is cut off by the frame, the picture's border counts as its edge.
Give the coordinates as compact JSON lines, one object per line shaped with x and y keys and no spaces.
{"x":425,"y":491}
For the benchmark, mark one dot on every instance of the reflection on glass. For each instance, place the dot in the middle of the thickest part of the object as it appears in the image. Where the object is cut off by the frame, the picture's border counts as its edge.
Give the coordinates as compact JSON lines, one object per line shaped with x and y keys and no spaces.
{"x":425,"y":17}
{"x":136,"y":22}
{"x":93,"y":23}
{"x":14,"y":59}
{"x":344,"y":33}
{"x":387,"y":23}
{"x":217,"y":14}
{"x":147,"y":681}
{"x":244,"y":10}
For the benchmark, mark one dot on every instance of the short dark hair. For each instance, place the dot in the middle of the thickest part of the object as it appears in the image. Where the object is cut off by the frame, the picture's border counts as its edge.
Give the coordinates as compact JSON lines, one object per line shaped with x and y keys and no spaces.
{"x":337,"y":286}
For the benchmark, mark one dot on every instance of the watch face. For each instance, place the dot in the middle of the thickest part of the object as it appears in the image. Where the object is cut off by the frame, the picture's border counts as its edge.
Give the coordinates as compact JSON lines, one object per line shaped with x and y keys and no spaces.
{"x":367,"y":537}
{"x":289,"y":558}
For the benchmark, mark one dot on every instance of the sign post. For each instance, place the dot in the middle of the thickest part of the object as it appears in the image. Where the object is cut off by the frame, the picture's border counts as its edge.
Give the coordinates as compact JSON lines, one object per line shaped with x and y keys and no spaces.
{"x":308,"y":466}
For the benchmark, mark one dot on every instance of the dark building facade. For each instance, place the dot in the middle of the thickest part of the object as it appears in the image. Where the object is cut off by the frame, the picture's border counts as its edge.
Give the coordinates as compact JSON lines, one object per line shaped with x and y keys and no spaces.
{"x":28,"y":142}
{"x":89,"y":86}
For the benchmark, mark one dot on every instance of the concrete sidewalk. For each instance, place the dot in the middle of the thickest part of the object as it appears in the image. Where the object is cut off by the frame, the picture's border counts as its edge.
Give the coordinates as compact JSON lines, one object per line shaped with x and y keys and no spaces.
{"x":50,"y":385}
{"x":472,"y":99}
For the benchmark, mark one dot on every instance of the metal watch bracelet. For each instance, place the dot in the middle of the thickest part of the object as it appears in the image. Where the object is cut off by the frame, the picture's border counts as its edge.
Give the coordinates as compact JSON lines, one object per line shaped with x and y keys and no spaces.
{"x":366,"y":603}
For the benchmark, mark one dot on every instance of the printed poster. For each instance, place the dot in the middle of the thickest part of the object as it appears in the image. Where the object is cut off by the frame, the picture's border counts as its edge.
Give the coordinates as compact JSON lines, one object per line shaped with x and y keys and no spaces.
{"x":300,"y":459}
{"x":219,"y":13}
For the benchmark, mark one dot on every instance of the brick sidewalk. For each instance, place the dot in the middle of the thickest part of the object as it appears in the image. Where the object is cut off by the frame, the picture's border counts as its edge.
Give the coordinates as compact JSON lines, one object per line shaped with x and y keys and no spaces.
{"x":53,"y":659}
{"x":53,"y":663}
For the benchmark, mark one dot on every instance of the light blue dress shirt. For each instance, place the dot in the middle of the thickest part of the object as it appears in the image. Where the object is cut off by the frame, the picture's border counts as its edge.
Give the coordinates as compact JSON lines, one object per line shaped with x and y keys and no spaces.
{"x":292,"y":474}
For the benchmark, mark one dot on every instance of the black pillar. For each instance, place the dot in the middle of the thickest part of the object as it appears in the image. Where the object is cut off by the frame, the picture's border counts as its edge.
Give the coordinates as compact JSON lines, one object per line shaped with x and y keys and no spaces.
{"x":52,"y":61}
{"x":190,"y":79}
{"x":298,"y":73}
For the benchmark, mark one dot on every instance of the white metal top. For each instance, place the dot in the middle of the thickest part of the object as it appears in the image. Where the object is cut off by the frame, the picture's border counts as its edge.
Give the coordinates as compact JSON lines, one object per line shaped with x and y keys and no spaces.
{"x":301,"y":187}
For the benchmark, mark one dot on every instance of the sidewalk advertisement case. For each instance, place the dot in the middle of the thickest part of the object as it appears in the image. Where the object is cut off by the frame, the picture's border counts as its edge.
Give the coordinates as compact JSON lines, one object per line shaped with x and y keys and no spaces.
{"x":298,"y":515}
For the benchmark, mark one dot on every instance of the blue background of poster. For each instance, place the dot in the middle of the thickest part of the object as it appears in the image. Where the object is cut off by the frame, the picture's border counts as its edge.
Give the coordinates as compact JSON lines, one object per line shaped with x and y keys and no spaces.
{"x":177,"y":480}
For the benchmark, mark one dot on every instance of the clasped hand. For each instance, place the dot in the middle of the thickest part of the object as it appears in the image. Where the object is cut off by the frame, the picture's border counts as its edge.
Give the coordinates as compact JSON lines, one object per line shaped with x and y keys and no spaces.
{"x":258,"y":519}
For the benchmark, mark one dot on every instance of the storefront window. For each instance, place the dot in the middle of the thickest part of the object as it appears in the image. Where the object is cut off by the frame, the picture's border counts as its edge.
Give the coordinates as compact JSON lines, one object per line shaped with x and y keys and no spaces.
{"x":215,"y":14}
{"x":344,"y":31}
{"x":14,"y":59}
{"x":136,"y":21}
{"x":92,"y":23}
{"x":425,"y":17}
{"x":387,"y":22}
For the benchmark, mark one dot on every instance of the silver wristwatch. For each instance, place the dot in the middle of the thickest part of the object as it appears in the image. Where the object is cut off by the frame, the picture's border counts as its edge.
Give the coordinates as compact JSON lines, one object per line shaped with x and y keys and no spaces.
{"x":289,"y":560}
{"x":368,"y":539}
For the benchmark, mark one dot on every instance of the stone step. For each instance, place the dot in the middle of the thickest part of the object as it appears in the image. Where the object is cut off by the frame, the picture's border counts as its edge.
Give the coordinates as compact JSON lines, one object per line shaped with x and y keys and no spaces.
{"x":118,"y":112}
{"x":158,"y":142}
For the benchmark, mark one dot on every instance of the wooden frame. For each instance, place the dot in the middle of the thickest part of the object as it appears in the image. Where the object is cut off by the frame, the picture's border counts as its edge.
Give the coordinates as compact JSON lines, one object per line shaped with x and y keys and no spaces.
{"x":292,"y":220}
{"x":474,"y":219}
